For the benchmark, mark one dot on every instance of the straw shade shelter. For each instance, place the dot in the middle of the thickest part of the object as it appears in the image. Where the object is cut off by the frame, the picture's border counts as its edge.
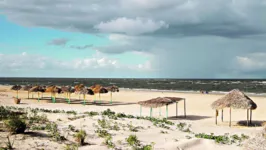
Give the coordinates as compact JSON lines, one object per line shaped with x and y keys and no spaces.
{"x":79,"y":88}
{"x":112,"y":89}
{"x":37,"y":89}
{"x":67,"y":90}
{"x":27,"y":88}
{"x":16,"y":88}
{"x":84,"y":92}
{"x":98,"y":89}
{"x":160,"y":102}
{"x":237,"y":100}
{"x":53,"y":90}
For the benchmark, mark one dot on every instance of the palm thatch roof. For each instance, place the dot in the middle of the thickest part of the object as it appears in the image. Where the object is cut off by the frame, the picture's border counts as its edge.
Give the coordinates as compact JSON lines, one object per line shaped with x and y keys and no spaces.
{"x":156,"y":102}
{"x":79,"y":87}
{"x":16,"y":87}
{"x":26,"y":88}
{"x":175,"y":99}
{"x":86,"y":91}
{"x":112,"y":88}
{"x":98,"y":89}
{"x":234,"y":99}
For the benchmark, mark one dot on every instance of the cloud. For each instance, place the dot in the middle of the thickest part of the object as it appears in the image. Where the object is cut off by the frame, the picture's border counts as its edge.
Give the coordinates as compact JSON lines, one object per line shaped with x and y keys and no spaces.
{"x":59,"y":42}
{"x":131,"y":26}
{"x":37,"y":65}
{"x":227,"y":18}
{"x":252,"y":62}
{"x":81,"y":47}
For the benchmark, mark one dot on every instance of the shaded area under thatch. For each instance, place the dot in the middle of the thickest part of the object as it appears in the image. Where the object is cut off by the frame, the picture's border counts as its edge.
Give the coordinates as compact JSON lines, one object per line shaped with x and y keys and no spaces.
{"x":237,"y":100}
{"x":163,"y":101}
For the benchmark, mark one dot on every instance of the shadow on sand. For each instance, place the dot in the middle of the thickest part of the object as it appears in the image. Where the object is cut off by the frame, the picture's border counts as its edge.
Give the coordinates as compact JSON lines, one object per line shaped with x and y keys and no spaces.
{"x":255,"y":123}
{"x":188,"y":117}
{"x":81,"y":102}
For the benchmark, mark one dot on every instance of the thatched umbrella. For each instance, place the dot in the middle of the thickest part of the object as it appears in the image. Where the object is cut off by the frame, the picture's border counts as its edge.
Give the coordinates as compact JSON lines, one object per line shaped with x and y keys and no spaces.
{"x":37,"y":89}
{"x":112,"y":89}
{"x":16,"y":88}
{"x":67,"y":90}
{"x":84,"y":92}
{"x":98,"y":89}
{"x":79,"y":88}
{"x":27,"y":88}
{"x":237,"y":100}
{"x":53,"y":90}
{"x":159,"y":102}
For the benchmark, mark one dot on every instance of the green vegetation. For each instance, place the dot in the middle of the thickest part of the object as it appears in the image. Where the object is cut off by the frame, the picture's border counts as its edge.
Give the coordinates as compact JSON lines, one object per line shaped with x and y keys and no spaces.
{"x":102,"y":133}
{"x":92,"y":113}
{"x":223,"y":139}
{"x":54,"y":133}
{"x":108,"y":141}
{"x":80,"y":137}
{"x":15,"y":125}
{"x":71,"y":147}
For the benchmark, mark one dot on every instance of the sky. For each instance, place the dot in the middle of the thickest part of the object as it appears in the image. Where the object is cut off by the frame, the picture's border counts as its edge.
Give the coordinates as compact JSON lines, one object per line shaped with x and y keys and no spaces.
{"x":133,"y":38}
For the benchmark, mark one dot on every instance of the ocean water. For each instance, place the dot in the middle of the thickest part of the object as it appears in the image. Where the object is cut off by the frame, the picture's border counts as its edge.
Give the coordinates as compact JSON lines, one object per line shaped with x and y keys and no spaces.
{"x":217,"y":85}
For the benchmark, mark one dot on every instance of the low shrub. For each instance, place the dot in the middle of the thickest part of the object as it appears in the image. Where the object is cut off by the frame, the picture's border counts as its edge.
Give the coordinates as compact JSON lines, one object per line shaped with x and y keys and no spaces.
{"x":15,"y":125}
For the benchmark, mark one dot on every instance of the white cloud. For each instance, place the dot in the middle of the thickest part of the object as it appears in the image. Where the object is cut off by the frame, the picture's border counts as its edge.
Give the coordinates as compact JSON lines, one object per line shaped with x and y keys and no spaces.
{"x":252,"y":62}
{"x":37,"y":65}
{"x":131,"y":26}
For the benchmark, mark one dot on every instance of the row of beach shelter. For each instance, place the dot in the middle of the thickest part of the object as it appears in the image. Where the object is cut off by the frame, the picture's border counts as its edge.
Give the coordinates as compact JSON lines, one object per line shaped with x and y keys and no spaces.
{"x":235,"y":99}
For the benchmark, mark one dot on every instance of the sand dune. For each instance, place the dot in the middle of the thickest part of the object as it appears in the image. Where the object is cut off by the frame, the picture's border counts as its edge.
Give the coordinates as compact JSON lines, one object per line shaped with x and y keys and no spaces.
{"x":199,"y":115}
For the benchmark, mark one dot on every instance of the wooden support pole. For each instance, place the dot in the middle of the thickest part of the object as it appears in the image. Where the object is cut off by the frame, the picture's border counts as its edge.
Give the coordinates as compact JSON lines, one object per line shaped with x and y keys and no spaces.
{"x":222,"y":115}
{"x":140,"y":110}
{"x":17,"y":93}
{"x":176,"y":109}
{"x":230,"y":117}
{"x":111,"y":98}
{"x":84,"y":99}
{"x":247,"y":117}
{"x":28,"y":94}
{"x":166,"y":111}
{"x":250,"y":119}
{"x":216,"y":114}
{"x":160,"y":114}
{"x":151,"y":112}
{"x":185,"y":114}
{"x":38,"y":97}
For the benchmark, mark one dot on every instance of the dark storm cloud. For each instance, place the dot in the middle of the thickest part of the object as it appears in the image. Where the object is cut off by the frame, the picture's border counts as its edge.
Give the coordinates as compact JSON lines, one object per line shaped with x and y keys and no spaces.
{"x":59,"y":42}
{"x":81,"y":47}
{"x":150,"y":17}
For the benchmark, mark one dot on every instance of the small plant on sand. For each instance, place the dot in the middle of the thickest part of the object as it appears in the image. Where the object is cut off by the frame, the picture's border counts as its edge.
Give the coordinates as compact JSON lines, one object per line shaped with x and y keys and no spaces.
{"x":71,"y":147}
{"x":15,"y":125}
{"x":92,"y":113}
{"x":108,"y":142}
{"x":102,"y":133}
{"x":71,"y":128}
{"x":103,"y":123}
{"x":9,"y":144}
{"x":132,"y":128}
{"x":183,"y":127}
{"x":110,"y":114}
{"x":80,"y":137}
{"x":164,"y":132}
{"x":52,"y":128}
{"x":133,"y":141}
{"x":223,"y":139}
{"x":37,"y":127}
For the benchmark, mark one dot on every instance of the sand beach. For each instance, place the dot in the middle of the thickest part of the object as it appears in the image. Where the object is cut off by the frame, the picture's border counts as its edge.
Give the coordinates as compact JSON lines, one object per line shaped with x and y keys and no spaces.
{"x":200,"y":118}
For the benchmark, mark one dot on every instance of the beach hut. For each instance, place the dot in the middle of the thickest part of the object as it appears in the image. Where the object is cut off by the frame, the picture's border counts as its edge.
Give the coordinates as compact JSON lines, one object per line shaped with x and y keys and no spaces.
{"x":37,"y":89}
{"x":112,"y":89}
{"x":16,"y":88}
{"x":27,"y":88}
{"x":98,"y":89}
{"x":235,"y":99}
{"x":160,"y":102}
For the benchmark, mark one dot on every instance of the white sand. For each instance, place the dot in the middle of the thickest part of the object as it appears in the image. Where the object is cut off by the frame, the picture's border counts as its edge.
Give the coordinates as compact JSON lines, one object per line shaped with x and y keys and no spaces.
{"x":199,"y":115}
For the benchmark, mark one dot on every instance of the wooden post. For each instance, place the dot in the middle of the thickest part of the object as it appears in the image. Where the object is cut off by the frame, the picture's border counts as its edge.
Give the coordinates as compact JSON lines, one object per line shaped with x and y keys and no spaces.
{"x":216,"y":114}
{"x":151,"y":112}
{"x":28,"y":94}
{"x":230,"y":118}
{"x":140,"y":110}
{"x":99,"y":97}
{"x":176,"y":109}
{"x":247,"y":117}
{"x":84,"y":99}
{"x":250,"y":119}
{"x":17,"y":93}
{"x":166,"y":111}
{"x":111,"y":98}
{"x":160,"y":112}
{"x":38,"y":97}
{"x":222,"y":115}
{"x":185,"y":108}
